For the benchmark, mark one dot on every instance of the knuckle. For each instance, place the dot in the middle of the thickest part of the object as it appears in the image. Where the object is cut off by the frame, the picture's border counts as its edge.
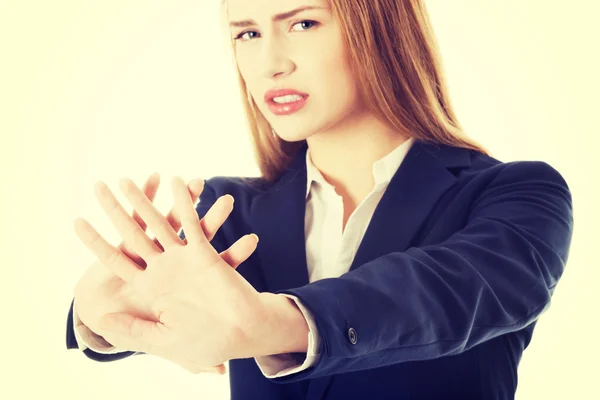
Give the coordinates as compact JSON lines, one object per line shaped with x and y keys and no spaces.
{"x":132,"y":230}
{"x":112,"y":204}
{"x":113,"y":257}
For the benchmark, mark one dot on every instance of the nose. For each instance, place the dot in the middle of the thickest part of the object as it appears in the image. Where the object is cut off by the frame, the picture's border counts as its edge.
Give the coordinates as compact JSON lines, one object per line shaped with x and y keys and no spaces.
{"x":275,"y":58}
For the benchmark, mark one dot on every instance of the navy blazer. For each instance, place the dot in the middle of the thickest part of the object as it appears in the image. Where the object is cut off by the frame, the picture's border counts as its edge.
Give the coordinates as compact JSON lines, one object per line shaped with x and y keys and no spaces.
{"x":460,"y":259}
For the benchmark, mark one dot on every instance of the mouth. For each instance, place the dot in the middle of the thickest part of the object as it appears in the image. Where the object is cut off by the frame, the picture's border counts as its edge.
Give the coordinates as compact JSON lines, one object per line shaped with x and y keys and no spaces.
{"x":286,"y":105}
{"x":285,"y":101}
{"x":282,"y":93}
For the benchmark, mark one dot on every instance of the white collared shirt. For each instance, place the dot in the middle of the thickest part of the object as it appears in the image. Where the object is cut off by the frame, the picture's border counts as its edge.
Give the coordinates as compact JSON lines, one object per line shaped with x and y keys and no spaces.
{"x":330,"y":250}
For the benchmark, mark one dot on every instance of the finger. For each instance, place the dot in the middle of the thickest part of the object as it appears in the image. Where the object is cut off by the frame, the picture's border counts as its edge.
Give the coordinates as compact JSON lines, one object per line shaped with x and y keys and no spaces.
{"x":125,"y":343}
{"x":194,"y":368}
{"x":186,"y":211}
{"x":149,"y":189}
{"x":155,"y":220}
{"x":190,"y":366}
{"x":239,"y":252}
{"x":213,"y":219}
{"x":195,"y":188}
{"x":107,"y":254}
{"x":216,"y":216}
{"x":129,"y":230}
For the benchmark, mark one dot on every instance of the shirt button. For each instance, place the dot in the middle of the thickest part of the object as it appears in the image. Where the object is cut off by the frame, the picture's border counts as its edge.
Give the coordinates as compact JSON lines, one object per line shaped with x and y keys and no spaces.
{"x":352,"y":336}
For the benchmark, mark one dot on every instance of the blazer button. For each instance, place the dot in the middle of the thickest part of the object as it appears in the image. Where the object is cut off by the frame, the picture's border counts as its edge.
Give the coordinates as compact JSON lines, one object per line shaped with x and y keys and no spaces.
{"x":352,"y":336}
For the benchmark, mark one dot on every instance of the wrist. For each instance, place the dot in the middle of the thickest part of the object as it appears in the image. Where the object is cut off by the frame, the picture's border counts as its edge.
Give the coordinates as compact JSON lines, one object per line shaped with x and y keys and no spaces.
{"x":286,"y":329}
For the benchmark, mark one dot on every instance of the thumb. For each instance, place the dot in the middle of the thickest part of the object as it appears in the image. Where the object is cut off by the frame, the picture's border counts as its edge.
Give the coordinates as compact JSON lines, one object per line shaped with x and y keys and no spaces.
{"x":221,"y":369}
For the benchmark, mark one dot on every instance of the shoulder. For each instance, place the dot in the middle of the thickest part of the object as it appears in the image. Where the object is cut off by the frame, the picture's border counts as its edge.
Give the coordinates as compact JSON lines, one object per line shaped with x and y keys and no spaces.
{"x":491,"y":172}
{"x":525,"y":190}
{"x":484,"y":185}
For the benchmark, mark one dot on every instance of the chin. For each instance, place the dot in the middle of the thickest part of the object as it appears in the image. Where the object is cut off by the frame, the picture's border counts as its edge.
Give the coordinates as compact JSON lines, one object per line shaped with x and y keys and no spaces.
{"x":292,"y":139}
{"x":293,"y":134}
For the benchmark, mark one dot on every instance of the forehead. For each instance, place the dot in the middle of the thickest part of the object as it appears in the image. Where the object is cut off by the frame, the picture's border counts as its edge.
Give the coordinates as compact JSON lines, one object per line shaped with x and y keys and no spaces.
{"x":242,"y":9}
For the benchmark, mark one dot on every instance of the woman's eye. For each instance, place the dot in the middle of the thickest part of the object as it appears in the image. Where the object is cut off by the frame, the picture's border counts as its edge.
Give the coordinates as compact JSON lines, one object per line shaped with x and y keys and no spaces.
{"x":304,"y":22}
{"x":238,"y":37}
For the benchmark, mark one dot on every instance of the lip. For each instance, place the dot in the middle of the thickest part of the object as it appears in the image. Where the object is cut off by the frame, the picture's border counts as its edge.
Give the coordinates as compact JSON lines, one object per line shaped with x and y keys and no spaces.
{"x":282,"y":92}
{"x":288,"y":108}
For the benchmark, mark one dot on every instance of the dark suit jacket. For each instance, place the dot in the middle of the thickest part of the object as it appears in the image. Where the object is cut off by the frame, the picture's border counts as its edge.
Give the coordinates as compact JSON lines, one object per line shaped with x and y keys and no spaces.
{"x":460,"y":259}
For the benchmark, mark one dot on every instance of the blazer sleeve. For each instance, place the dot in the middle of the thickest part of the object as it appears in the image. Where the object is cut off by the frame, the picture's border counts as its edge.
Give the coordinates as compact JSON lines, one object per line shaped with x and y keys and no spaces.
{"x":206,"y":200}
{"x":494,"y":276}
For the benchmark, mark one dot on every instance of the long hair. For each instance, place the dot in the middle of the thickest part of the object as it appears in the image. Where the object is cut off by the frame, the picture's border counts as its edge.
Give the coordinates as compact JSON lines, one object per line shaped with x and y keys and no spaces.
{"x":394,"y":55}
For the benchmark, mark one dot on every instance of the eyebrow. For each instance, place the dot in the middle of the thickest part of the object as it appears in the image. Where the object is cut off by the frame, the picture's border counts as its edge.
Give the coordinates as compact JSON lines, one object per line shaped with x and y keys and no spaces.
{"x":276,"y":17}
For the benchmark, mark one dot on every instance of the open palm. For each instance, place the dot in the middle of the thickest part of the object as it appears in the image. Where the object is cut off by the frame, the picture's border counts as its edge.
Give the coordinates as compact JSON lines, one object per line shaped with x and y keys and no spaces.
{"x":100,"y":291}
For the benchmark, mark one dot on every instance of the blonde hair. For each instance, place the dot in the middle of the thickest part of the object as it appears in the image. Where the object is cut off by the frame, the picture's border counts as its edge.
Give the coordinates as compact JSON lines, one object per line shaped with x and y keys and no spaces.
{"x":393,"y":54}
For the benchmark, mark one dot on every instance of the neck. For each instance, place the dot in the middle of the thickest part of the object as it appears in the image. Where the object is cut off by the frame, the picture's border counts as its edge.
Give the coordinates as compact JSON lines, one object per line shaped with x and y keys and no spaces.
{"x":345,"y":154}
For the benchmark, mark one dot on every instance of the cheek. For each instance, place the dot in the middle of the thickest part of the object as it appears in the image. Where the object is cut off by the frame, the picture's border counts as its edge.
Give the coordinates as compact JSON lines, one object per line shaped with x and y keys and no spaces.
{"x":337,"y":78}
{"x":247,"y":69}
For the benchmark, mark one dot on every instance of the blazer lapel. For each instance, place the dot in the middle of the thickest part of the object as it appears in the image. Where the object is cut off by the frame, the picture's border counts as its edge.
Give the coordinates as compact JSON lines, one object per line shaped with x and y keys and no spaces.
{"x":278,"y":218}
{"x":421,"y":180}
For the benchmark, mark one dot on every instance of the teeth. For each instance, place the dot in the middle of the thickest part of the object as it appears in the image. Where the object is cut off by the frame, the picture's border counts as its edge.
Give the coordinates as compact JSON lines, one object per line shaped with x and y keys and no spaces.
{"x":287,"y":99}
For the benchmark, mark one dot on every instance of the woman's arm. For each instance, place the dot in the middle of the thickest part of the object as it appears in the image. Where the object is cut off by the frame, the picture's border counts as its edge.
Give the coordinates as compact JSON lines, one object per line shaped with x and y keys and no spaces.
{"x":495,"y":276}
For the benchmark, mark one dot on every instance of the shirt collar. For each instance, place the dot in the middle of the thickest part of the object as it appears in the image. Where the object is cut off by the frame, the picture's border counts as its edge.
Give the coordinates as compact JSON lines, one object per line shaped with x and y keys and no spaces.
{"x":383,"y":169}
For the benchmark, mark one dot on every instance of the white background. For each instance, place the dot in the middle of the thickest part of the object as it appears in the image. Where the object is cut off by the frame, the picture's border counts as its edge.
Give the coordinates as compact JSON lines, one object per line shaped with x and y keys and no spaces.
{"x":99,"y":90}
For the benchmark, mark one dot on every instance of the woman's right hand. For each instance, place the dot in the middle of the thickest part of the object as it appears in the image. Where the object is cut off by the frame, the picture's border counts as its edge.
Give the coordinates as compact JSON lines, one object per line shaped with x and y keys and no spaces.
{"x":100,"y":292}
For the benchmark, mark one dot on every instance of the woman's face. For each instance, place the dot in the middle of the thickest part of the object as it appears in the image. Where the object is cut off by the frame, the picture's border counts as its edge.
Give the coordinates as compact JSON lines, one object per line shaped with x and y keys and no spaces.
{"x":302,"y":52}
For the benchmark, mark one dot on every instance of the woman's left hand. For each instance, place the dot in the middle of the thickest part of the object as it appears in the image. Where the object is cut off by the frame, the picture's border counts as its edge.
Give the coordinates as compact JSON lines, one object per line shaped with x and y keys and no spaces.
{"x":207,"y":312}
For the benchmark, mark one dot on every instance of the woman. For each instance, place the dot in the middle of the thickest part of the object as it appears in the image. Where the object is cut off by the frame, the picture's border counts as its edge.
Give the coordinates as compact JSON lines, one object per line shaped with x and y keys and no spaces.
{"x":418,"y":263}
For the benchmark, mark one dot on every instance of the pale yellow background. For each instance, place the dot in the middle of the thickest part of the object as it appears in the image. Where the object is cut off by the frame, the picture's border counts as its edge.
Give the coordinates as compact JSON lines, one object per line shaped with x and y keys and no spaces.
{"x":95,"y":90}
